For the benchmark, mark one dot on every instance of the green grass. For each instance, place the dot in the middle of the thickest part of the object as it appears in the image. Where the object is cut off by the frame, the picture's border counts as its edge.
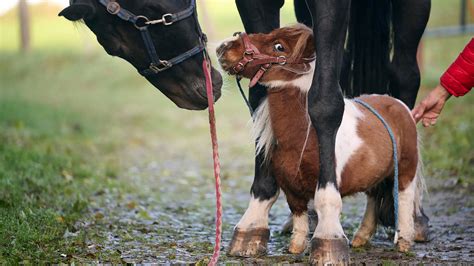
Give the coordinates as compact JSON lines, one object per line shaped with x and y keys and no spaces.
{"x":69,"y":116}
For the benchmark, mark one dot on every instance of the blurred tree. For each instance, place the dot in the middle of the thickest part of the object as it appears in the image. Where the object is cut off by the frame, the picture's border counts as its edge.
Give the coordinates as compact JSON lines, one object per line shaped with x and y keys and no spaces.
{"x":24,"y":17}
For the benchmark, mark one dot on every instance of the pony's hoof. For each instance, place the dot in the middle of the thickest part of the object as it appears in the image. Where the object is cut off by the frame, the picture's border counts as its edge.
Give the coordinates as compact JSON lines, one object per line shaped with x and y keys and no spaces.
{"x":329,"y":251}
{"x":358,"y":242}
{"x":297,"y":247}
{"x":252,"y":243}
{"x":403,"y":245}
{"x":422,"y":230}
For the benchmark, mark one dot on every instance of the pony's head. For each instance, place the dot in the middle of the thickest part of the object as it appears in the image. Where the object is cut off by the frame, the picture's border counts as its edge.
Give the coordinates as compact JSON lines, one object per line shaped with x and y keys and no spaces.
{"x":184,"y":82}
{"x":284,"y":54}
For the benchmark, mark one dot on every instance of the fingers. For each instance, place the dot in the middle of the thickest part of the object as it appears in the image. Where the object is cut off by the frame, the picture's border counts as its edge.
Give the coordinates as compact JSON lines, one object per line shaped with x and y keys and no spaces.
{"x":418,"y":111}
{"x":428,"y":122}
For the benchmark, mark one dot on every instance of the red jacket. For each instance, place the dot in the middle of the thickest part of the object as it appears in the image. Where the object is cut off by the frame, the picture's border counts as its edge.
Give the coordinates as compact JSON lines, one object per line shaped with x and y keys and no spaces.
{"x":459,"y":78}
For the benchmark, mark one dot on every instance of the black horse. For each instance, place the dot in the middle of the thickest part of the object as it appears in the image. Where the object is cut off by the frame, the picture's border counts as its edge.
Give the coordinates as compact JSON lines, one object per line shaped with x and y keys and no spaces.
{"x":121,"y":26}
{"x":379,"y":56}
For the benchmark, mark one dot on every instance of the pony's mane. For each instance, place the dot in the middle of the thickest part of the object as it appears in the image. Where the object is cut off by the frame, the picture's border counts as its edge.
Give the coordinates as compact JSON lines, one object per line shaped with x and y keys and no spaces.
{"x":262,"y":127}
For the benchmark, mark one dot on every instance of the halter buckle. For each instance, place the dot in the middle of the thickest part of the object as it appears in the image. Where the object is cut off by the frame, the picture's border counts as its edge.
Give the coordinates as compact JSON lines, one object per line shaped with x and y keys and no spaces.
{"x":163,"y":65}
{"x":113,"y":7}
{"x":141,"y":22}
{"x":166,"y":21}
{"x":239,"y":67}
{"x":281,"y":60}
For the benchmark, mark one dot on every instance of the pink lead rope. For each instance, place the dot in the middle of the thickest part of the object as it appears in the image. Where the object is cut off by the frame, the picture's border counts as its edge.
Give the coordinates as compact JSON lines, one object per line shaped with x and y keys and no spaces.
{"x":215,"y":156}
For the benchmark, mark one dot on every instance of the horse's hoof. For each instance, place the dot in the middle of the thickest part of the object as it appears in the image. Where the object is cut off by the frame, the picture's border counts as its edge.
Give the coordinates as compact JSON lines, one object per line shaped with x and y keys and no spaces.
{"x":252,"y":243}
{"x":403,"y":245}
{"x":358,"y":242}
{"x":297,"y":247}
{"x":329,"y":251}
{"x":422,"y":230}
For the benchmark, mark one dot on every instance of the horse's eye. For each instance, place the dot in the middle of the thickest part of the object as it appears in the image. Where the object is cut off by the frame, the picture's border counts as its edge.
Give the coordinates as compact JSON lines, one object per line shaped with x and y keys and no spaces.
{"x":278,"y":47}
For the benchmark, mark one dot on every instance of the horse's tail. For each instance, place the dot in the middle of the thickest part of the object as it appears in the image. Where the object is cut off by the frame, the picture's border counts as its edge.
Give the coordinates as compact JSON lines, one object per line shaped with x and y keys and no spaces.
{"x":420,"y":184}
{"x":383,"y":192}
{"x":367,"y":54}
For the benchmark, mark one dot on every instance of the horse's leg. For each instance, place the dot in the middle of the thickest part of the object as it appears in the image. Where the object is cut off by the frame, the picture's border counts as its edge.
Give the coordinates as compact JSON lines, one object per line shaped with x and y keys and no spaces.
{"x":299,"y":210}
{"x":409,"y":22}
{"x":251,"y":234}
{"x":406,"y":209}
{"x":367,"y":227}
{"x":302,"y":13}
{"x":326,"y":108}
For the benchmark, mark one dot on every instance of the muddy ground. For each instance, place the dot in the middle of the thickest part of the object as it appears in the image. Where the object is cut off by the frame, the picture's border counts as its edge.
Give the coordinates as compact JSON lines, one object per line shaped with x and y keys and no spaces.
{"x":167,"y":216}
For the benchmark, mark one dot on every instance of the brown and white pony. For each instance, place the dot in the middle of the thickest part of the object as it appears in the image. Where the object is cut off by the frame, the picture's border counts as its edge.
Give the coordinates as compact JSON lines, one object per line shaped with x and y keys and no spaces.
{"x":283,"y":131}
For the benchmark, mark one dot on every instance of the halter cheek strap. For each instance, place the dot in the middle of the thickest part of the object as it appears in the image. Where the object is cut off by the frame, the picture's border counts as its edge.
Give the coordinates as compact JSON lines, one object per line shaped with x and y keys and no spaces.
{"x":142,"y":23}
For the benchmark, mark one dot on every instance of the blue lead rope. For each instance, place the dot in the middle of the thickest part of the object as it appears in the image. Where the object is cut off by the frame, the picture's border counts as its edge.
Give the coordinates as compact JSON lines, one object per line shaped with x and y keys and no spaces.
{"x":395,"y":161}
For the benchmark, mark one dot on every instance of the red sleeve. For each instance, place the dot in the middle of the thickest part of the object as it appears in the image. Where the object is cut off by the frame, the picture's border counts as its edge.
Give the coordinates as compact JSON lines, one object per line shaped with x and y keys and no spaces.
{"x":459,"y":78}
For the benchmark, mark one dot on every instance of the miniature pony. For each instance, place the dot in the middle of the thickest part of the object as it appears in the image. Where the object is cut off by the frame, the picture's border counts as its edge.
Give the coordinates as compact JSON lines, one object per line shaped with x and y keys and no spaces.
{"x":284,"y":61}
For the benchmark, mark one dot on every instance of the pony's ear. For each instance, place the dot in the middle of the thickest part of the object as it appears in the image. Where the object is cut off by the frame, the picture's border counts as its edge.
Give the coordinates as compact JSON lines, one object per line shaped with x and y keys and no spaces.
{"x":78,"y":11}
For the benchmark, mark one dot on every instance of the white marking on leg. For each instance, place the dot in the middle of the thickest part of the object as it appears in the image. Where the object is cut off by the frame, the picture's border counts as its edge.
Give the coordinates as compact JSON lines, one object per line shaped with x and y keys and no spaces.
{"x":369,"y":222}
{"x":299,"y":233}
{"x":328,"y":205}
{"x":347,"y":139}
{"x":406,"y":205}
{"x":256,"y":215}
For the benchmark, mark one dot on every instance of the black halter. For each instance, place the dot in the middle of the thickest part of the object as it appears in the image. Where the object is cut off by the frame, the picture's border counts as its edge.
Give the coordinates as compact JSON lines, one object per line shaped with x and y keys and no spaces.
{"x":141,"y":23}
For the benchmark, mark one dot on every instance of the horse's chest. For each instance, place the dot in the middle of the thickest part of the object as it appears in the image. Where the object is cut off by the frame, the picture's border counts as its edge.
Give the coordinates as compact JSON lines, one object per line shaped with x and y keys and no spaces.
{"x":296,"y":166}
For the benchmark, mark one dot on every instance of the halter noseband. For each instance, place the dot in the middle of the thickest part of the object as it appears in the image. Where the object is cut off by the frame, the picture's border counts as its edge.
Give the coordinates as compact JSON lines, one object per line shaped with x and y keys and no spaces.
{"x":253,"y":57}
{"x":141,"y":23}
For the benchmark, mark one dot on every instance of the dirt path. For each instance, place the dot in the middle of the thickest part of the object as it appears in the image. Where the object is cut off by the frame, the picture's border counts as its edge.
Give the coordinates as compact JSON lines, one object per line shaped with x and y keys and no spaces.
{"x":169,"y":218}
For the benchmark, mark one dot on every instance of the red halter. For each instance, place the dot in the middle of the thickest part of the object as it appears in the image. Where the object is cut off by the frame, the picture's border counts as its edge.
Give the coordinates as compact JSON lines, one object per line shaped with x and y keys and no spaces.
{"x":253,"y":57}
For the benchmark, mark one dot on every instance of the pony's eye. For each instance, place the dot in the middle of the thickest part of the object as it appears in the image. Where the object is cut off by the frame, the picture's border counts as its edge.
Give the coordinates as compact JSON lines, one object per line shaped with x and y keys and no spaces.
{"x":278,"y":47}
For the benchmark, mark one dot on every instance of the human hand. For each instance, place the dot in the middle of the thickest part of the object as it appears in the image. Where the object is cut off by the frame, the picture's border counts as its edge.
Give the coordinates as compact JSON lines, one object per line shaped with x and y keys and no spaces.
{"x":431,"y":106}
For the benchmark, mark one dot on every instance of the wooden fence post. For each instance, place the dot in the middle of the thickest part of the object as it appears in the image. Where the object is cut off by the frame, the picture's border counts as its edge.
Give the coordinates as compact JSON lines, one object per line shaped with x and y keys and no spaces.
{"x":24,"y":20}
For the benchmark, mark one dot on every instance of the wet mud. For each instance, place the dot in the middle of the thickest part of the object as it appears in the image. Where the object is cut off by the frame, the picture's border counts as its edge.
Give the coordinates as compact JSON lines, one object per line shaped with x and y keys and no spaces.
{"x":167,"y":216}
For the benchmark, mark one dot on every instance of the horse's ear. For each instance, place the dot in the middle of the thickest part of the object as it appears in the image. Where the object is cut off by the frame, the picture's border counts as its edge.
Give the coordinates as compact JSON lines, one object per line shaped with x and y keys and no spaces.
{"x":78,"y":11}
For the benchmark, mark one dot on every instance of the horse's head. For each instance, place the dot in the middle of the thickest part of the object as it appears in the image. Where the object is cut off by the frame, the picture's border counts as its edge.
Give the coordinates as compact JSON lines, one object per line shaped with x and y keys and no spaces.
{"x":284,"y":54}
{"x":184,"y":82}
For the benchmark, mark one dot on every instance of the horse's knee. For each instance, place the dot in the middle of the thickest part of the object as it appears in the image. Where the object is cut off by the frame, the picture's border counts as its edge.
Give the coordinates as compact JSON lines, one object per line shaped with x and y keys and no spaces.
{"x":326,"y":111}
{"x":405,"y":80}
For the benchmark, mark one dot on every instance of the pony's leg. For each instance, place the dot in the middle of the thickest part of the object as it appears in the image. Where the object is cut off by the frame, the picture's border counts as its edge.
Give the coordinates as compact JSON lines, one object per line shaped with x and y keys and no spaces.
{"x":367,"y":227}
{"x":251,"y":234}
{"x":406,"y":209}
{"x":287,"y":227}
{"x":329,"y":245}
{"x":299,"y":209}
{"x":299,"y":235}
{"x":409,"y":22}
